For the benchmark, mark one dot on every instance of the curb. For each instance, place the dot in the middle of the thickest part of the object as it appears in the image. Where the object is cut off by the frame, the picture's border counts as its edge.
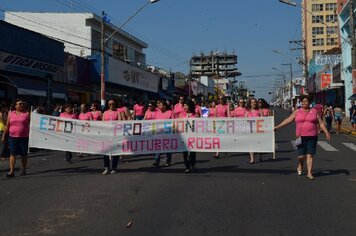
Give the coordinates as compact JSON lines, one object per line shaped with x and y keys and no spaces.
{"x":349,"y":131}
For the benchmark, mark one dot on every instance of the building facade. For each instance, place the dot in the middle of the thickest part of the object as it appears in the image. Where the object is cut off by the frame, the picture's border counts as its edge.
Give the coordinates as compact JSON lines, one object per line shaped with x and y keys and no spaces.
{"x":319,"y":26}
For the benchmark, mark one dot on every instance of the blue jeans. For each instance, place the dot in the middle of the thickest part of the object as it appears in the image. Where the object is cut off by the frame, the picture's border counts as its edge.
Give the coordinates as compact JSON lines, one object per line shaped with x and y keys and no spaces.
{"x":158,"y":158}
{"x":114,"y":162}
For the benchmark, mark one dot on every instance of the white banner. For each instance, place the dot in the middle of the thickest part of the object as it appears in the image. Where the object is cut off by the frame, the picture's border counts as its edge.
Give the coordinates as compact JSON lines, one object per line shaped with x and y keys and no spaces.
{"x":156,"y":136}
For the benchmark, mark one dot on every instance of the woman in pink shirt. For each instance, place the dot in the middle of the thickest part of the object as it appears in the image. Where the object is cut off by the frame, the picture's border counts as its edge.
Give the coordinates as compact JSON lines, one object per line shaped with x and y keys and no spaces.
{"x":96,"y":112}
{"x":151,"y":111}
{"x":163,"y":113}
{"x":212,"y":109}
{"x":68,"y":114}
{"x":197,"y":107}
{"x":189,"y":108}
{"x":124,"y":111}
{"x":178,"y":108}
{"x":264,"y":107}
{"x":18,"y":127}
{"x":84,"y":113}
{"x":222,"y":110}
{"x":240,"y":110}
{"x":307,"y":120}
{"x":139,"y":110}
{"x":253,"y":111}
{"x":111,"y":114}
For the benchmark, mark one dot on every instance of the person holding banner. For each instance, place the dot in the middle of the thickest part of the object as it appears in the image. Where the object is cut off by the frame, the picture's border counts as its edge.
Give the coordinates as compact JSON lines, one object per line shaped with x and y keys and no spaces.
{"x":240,"y":110}
{"x":139,"y":110}
{"x":222,"y":110}
{"x":111,"y":114}
{"x":151,"y":111}
{"x":84,"y":113}
{"x":68,"y":114}
{"x":18,"y":128}
{"x":253,"y":111}
{"x":264,"y":107}
{"x":189,"y":109}
{"x":307,"y":120}
{"x":163,"y":113}
{"x":124,"y":111}
{"x":212,"y":109}
{"x":178,"y":108}
{"x":197,"y":107}
{"x":96,"y":112}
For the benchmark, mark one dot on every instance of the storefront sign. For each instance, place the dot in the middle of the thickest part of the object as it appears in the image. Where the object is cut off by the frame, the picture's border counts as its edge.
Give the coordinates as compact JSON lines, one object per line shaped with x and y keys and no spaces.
{"x":321,"y":60}
{"x":14,"y":63}
{"x":132,"y":76}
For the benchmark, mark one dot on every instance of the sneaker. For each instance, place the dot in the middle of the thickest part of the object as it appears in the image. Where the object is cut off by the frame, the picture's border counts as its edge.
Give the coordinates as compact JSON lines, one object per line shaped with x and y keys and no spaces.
{"x":113,"y":171}
{"x":167,"y":164}
{"x":106,"y":171}
{"x":155,"y":164}
{"x":187,"y":171}
{"x":10,"y":175}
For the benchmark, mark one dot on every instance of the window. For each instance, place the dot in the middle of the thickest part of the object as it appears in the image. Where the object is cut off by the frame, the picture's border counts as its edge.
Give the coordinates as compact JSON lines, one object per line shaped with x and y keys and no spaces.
{"x":332,"y":41}
{"x":331,"y":18}
{"x":317,"y":7}
{"x":318,"y":19}
{"x":332,"y":29}
{"x":317,"y":30}
{"x":318,"y":42}
{"x":330,"y":6}
{"x":119,"y":51}
{"x":317,"y":52}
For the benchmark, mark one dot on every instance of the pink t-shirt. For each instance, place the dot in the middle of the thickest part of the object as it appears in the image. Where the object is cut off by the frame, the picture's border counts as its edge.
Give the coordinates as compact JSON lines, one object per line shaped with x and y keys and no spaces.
{"x":265,"y":112}
{"x":138,"y":109}
{"x":319,"y":108}
{"x":110,"y":115}
{"x":197,"y":110}
{"x":239,"y":112}
{"x":185,"y":115}
{"x":164,"y":115}
{"x":151,"y":115}
{"x":221,"y":110}
{"x":121,"y":109}
{"x":68,"y":116}
{"x":212,"y":112}
{"x":19,"y":126}
{"x":306,"y":123}
{"x":96,"y":115}
{"x":85,"y":116}
{"x":178,"y":108}
{"x":253,"y":113}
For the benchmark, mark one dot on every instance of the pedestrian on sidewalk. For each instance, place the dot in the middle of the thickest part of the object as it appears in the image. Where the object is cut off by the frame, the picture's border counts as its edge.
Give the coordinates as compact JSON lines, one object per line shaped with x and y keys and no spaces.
{"x":18,"y":128}
{"x":307,"y":120}
{"x":338,"y":118}
{"x":329,"y":116}
{"x":353,"y":116}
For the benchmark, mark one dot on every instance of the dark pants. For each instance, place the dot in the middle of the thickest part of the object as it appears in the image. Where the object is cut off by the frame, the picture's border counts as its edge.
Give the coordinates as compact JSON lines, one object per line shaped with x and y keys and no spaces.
{"x":114,"y":161}
{"x":69,"y":157}
{"x":158,"y":158}
{"x":189,"y":161}
{"x":328,"y":121}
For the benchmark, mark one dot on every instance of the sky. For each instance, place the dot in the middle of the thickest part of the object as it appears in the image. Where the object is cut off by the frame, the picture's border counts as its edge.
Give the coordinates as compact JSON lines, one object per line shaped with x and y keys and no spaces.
{"x":258,"y":31}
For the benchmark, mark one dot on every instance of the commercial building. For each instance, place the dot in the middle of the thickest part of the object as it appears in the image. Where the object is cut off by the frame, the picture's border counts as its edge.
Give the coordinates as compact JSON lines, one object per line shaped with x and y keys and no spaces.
{"x":320,"y":26}
{"x":126,"y":74}
{"x":221,"y":67}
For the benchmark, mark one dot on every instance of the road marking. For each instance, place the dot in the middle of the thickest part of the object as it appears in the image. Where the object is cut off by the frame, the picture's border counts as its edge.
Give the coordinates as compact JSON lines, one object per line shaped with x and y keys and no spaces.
{"x":350,"y":145}
{"x":327,"y":147}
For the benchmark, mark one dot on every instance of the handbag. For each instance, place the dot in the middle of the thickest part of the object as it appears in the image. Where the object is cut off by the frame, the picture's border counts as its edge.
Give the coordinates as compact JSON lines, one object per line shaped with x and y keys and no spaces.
{"x":298,"y":140}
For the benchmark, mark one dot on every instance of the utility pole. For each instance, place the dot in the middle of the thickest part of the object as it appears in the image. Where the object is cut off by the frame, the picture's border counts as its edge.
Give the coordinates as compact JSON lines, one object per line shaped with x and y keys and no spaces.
{"x":291,"y":82}
{"x":102,"y":54}
{"x":352,"y":35}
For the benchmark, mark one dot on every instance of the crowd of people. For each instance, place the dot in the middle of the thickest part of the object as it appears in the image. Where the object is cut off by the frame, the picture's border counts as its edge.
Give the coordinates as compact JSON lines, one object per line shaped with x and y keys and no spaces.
{"x":14,"y":124}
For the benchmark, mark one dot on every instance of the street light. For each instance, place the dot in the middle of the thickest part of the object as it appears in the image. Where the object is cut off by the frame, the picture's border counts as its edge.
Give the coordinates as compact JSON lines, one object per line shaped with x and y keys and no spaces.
{"x":103,"y":41}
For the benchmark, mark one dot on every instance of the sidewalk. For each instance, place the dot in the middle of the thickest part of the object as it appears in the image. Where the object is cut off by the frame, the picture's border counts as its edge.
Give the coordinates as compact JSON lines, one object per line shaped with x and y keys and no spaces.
{"x":346,"y":126}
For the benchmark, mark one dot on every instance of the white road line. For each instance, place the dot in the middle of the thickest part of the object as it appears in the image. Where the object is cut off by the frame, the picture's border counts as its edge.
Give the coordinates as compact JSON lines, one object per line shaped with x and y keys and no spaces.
{"x":327,"y":147}
{"x":350,"y":145}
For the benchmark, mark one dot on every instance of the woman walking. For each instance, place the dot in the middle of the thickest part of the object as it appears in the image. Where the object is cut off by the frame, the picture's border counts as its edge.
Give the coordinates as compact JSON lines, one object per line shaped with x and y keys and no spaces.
{"x":151,"y":111}
{"x":139,"y":110}
{"x":240,"y":110}
{"x":18,"y":128}
{"x":307,"y":120}
{"x":212,"y":109}
{"x":68,"y":114}
{"x":189,"y":156}
{"x":253,"y":111}
{"x":111,"y":114}
{"x":163,"y":113}
{"x":96,"y":112}
{"x":338,"y":118}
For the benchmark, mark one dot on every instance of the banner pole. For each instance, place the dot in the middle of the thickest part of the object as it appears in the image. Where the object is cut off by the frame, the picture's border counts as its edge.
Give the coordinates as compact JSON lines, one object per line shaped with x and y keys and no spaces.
{"x":29,"y":134}
{"x":274,"y":138}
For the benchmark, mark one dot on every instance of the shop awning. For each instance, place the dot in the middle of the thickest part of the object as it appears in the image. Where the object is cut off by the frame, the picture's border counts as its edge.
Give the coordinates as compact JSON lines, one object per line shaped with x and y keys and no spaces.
{"x":353,"y":97}
{"x":34,"y":87}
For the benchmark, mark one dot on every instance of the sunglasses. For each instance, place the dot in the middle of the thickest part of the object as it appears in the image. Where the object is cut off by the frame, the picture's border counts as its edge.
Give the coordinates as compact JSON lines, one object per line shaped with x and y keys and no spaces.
{"x":110,"y":104}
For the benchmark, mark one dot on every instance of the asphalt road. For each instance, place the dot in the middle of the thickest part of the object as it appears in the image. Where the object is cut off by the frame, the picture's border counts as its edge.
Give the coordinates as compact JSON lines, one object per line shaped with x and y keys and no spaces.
{"x":224,"y":197}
